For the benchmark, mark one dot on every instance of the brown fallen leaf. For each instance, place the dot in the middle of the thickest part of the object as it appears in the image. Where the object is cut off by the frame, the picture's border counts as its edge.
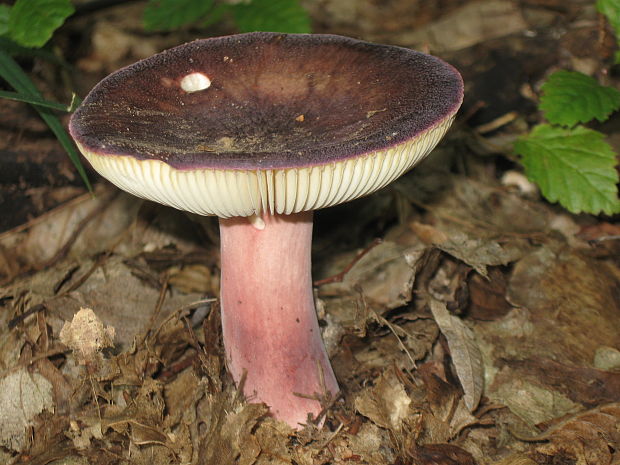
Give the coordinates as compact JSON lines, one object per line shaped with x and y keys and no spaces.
{"x":465,"y":353}
{"x":442,"y":454}
{"x":444,"y":414}
{"x":590,"y":438}
{"x":386,"y":403}
{"x":488,"y":296}
{"x":385,"y":275}
{"x":229,"y":430}
{"x":517,"y":459}
{"x":23,"y":396}
{"x":585,"y":385}
{"x":573,"y":305}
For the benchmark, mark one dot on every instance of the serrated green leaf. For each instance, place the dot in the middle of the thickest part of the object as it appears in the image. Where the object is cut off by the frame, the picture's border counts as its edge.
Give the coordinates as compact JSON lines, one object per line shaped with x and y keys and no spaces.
{"x":574,"y":167}
{"x":165,"y":15}
{"x":272,"y":15}
{"x":32,"y":22}
{"x":570,"y":97}
{"x":5,"y":11}
{"x":611,"y":9}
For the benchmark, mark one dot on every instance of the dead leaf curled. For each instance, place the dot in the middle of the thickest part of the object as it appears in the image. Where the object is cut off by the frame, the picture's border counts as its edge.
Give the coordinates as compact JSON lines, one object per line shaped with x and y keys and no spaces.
{"x":465,"y":353}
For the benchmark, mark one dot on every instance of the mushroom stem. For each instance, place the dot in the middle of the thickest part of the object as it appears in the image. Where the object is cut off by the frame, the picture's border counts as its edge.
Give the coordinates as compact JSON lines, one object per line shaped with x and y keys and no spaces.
{"x":268,"y":317}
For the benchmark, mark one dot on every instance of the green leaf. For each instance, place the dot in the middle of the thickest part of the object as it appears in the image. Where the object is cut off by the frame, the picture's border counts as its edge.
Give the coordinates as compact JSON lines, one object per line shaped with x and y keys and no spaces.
{"x":570,"y":98}
{"x":216,"y":14}
{"x":611,"y":9}
{"x":165,"y":15}
{"x":5,"y":11}
{"x":13,"y":74}
{"x":32,"y":22}
{"x":272,"y":15}
{"x":575,"y":167}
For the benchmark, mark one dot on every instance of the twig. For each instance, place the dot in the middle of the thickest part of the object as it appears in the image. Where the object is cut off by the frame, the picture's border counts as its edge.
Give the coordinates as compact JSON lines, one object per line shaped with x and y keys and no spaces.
{"x":160,"y":302}
{"x":66,"y":278}
{"x":64,"y":250}
{"x":177,"y":367}
{"x":71,"y":203}
{"x":33,"y":360}
{"x":179,"y":312}
{"x":100,"y":260}
{"x":497,"y":122}
{"x":333,"y":435}
{"x":338,"y":278}
{"x":385,"y":322}
{"x":31,"y":311}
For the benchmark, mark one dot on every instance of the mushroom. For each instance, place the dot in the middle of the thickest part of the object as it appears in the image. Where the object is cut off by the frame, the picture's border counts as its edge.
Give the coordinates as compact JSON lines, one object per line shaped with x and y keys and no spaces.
{"x":260,"y":129}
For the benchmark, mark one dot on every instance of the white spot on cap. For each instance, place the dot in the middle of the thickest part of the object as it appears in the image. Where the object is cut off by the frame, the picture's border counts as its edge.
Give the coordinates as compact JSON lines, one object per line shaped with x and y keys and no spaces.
{"x":194,"y":82}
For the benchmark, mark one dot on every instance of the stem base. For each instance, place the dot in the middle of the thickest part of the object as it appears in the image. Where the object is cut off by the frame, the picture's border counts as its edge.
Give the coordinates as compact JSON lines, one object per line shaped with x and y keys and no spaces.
{"x":268,"y":317}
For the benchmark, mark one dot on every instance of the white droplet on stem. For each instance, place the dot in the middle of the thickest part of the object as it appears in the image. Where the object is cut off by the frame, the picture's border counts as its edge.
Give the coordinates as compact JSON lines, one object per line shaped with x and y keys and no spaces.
{"x":257,"y":222}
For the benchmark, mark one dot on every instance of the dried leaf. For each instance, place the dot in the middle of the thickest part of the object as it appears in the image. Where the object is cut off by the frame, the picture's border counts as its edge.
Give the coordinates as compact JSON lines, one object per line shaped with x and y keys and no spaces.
{"x":607,"y":358}
{"x":465,"y":353}
{"x":588,"y":437}
{"x":568,"y":287}
{"x":229,"y":436}
{"x":584,"y":385}
{"x":442,"y":454}
{"x":385,"y":275}
{"x":528,"y":400}
{"x":179,"y":395}
{"x":82,"y":434}
{"x":99,"y":219}
{"x":386,"y":403}
{"x":272,"y":438}
{"x":23,"y":396}
{"x":478,"y":252}
{"x":192,"y":278}
{"x":368,"y":444}
{"x":488,"y":296}
{"x":132,"y":310}
{"x":473,"y":23}
{"x":517,"y":459}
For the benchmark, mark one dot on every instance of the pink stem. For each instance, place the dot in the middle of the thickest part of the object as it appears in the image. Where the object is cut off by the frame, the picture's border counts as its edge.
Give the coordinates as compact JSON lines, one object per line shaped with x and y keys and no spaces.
{"x":268,"y":317}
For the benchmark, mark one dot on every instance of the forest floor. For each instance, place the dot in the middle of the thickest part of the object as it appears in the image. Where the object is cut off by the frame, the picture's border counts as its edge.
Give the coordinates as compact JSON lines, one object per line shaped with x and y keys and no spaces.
{"x":480,"y":326}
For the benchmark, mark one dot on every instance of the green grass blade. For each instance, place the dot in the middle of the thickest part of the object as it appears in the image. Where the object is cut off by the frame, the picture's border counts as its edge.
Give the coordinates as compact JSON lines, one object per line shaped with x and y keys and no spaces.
{"x":26,"y":98}
{"x":61,"y":134}
{"x":13,"y":74}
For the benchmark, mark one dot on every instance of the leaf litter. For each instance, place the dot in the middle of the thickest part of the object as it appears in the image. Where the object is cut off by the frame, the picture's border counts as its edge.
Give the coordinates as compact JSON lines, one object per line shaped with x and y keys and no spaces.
{"x":420,"y":378}
{"x":480,"y":329}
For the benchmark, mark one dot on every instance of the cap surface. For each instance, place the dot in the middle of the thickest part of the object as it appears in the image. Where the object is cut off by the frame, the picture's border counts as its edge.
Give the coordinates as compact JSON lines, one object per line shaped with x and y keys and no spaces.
{"x":266,"y":122}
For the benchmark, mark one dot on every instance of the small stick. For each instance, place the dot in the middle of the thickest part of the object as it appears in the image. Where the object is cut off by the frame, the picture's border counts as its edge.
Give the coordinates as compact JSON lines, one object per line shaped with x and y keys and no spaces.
{"x":31,"y":311}
{"x":497,"y":122}
{"x":338,"y":278}
{"x":64,"y":250}
{"x":160,"y":302}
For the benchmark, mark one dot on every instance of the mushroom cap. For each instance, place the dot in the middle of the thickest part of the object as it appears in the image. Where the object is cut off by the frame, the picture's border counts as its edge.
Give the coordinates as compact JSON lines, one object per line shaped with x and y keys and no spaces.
{"x":266,"y":122}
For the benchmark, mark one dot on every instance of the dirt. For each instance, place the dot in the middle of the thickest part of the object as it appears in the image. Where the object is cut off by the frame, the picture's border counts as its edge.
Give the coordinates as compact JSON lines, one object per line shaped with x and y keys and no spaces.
{"x":474,"y":323}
